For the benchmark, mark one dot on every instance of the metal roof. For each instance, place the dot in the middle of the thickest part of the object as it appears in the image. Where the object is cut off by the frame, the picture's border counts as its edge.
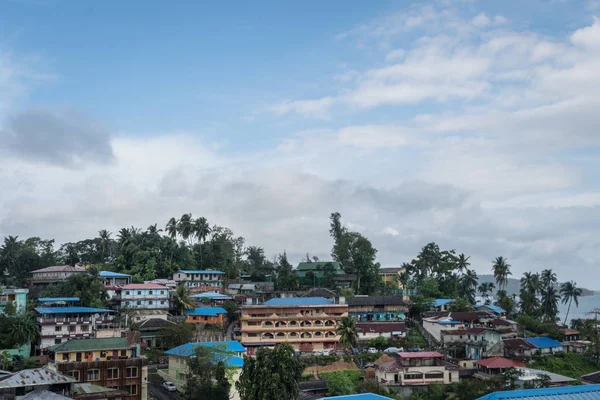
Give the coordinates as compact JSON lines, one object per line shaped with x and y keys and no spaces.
{"x":499,"y":362}
{"x":441,"y":302}
{"x":376,"y":300}
{"x":56,"y":299}
{"x":583,"y":392}
{"x":43,"y":394}
{"x":34,"y":377}
{"x":298,"y":301}
{"x":362,"y":396}
{"x":110,"y":274}
{"x":211,"y":295}
{"x":91,"y":344}
{"x":496,"y":309}
{"x":145,"y":286}
{"x":68,"y":310}
{"x":60,"y":268}
{"x":201,"y":271}
{"x":543,"y":342}
{"x":420,"y":354}
{"x":206,"y":311}
{"x":186,"y":350}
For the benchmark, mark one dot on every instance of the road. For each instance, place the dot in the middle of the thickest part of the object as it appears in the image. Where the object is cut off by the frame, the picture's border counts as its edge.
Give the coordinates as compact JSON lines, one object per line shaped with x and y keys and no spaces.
{"x":156,"y":390}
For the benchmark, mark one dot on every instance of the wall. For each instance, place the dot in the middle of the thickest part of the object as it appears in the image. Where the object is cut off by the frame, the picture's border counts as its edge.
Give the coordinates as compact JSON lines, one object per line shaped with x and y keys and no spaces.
{"x":448,"y":376}
{"x":89,"y":356}
{"x":205,"y":319}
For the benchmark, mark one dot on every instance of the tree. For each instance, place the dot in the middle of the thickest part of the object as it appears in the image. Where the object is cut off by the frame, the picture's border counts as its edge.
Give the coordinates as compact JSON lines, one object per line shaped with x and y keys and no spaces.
{"x":273,"y":375}
{"x":201,"y":230}
{"x":232,"y":309}
{"x":510,"y":378}
{"x":485,"y":288}
{"x":339,"y":384}
{"x":570,"y":292}
{"x":429,"y":288}
{"x":501,"y":270}
{"x":105,"y":243}
{"x":462,"y":262}
{"x":173,"y":335}
{"x":182,"y":298}
{"x":530,"y":286}
{"x":171,"y":228}
{"x":548,"y":278}
{"x":185,"y":227}
{"x":286,"y":277}
{"x":504,"y":301}
{"x":379,"y":343}
{"x":468,"y":285}
{"x":460,"y":305}
{"x":549,"y":305}
{"x":347,"y":332}
{"x":23,"y":328}
{"x":207,"y":374}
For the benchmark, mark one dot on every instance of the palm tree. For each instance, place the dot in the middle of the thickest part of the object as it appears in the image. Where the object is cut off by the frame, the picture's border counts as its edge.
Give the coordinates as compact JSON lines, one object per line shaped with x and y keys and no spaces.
{"x":347,"y":332}
{"x":570,"y":292}
{"x":185,"y":227}
{"x":171,"y":228}
{"x":468,"y":284}
{"x":549,"y":306}
{"x":462,"y":262}
{"x":104,"y":236}
{"x":182,"y":298}
{"x":201,"y":231}
{"x":501,"y":272}
{"x":24,"y":329}
{"x":548,"y":278}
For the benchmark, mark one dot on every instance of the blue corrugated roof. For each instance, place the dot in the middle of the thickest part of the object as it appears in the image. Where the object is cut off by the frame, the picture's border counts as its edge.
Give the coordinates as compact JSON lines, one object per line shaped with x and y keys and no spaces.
{"x":207,"y":311}
{"x":193,"y":271}
{"x":495,"y":309}
{"x":441,"y":302}
{"x":65,"y":310}
{"x":450,"y":322}
{"x":186,"y":350}
{"x":110,"y":274}
{"x":543,"y":342}
{"x":55,"y":299}
{"x":298,"y":301}
{"x":362,"y":396}
{"x":583,"y":392}
{"x":211,"y":295}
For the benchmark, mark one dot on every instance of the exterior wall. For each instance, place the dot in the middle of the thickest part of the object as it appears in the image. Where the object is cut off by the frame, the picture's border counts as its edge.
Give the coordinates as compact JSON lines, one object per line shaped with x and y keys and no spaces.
{"x":205,"y":319}
{"x":145,"y":298}
{"x":199,"y":280}
{"x":373,"y":335}
{"x":43,"y":278}
{"x":365,"y":314}
{"x":418,"y":376}
{"x":58,"y":328}
{"x":89,"y":356}
{"x":306,"y":328}
{"x":435,"y":328}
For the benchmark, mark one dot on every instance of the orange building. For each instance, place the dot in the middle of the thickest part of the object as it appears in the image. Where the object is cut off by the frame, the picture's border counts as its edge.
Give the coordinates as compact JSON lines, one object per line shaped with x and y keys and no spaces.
{"x":206,"y":315}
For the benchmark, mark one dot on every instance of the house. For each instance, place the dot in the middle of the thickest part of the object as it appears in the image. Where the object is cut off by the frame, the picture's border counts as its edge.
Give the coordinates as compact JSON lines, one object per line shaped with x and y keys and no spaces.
{"x":111,"y":362}
{"x":388,"y":330}
{"x":49,"y":275}
{"x":545,"y":345}
{"x":344,"y":281}
{"x":361,"y":396}
{"x":518,"y":347}
{"x":494,"y":367}
{"x":377,"y":308}
{"x":148,"y":300}
{"x":59,"y":324}
{"x":530,"y":374}
{"x":591,"y":379}
{"x":306,"y":323}
{"x":571,"y":335}
{"x":507,"y":327}
{"x":211,"y":298}
{"x":391,"y":275}
{"x":18,"y":299}
{"x":442,"y":304}
{"x":169,"y":283}
{"x":327,"y":294}
{"x":554,"y":393}
{"x":21,"y":383}
{"x":436,"y":323}
{"x":206,"y":315}
{"x":578,"y":346}
{"x":417,"y":369}
{"x":240,"y":288}
{"x":149,"y":331}
{"x":83,"y":391}
{"x":114,"y":281}
{"x":200,"y":280}
{"x":316,"y":388}
{"x":177,"y":371}
{"x":478,"y":342}
{"x":499,"y":312}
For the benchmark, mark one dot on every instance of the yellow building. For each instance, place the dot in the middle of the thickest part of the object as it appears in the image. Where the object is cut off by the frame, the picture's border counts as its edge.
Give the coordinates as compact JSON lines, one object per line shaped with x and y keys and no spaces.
{"x":391,"y":275}
{"x":306,"y":323}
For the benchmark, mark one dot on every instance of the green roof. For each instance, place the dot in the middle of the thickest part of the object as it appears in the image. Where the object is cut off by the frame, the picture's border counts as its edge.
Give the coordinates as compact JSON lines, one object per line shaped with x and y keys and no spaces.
{"x":317,"y":268}
{"x":91,"y":345}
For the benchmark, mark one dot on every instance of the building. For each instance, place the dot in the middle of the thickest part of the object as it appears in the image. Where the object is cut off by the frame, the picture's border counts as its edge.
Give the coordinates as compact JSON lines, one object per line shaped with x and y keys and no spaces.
{"x":145,"y":296}
{"x":200,"y":280}
{"x":327,"y":294}
{"x":391,"y":275}
{"x":49,"y":275}
{"x":177,"y":372}
{"x":206,"y":315}
{"x":150,"y":329}
{"x":442,"y":304}
{"x":545,"y":345}
{"x":114,"y":281}
{"x":591,"y":379}
{"x":110,"y":362}
{"x":240,"y":288}
{"x":306,"y":323}
{"x":417,"y":369}
{"x":59,"y":324}
{"x":518,"y":348}
{"x":478,"y":342}
{"x":377,"y":308}
{"x":19,"y":384}
{"x":583,"y":392}
{"x":445,"y":321}
{"x":571,"y":335}
{"x":18,"y":298}
{"x":317,"y":269}
{"x":497,"y":311}
{"x":361,"y":396}
{"x":494,"y":367}
{"x":211,"y":298}
{"x":388,"y":330}
{"x":530,"y":374}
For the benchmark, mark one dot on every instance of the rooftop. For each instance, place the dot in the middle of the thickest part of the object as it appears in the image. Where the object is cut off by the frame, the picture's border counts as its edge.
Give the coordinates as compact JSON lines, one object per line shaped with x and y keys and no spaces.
{"x":145,"y":286}
{"x":186,"y":350}
{"x":110,"y":274}
{"x":594,"y":377}
{"x":60,"y":268}
{"x":390,"y":270}
{"x":34,"y":377}
{"x":499,"y":362}
{"x":57,"y":299}
{"x":420,"y":354}
{"x":381,"y":327}
{"x":206,"y":311}
{"x":321,"y":292}
{"x":568,"y":331}
{"x":530,"y":373}
{"x":311,"y":266}
{"x":68,"y":310}
{"x":496,"y":309}
{"x":79,"y":345}
{"x":518,"y":344}
{"x":583,"y":392}
{"x":298,"y":301}
{"x":211,"y":295}
{"x":201,"y":271}
{"x":442,"y":302}
{"x":376,"y":301}
{"x":153,"y":324}
{"x":43,"y":394}
{"x":362,"y":396}
{"x":542,"y":342}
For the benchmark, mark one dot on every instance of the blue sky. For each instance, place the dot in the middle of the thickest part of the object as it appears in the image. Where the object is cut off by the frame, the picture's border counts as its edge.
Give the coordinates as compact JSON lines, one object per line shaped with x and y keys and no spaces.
{"x":471,"y":123}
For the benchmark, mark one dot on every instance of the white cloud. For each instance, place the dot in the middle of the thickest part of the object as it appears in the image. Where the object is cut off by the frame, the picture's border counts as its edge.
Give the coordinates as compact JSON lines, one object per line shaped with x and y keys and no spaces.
{"x":481,"y":20}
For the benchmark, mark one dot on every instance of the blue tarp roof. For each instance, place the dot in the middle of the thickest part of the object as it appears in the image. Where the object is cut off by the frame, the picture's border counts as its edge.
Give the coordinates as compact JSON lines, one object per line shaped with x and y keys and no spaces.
{"x":55,"y":299}
{"x":583,"y":392}
{"x":110,"y":274}
{"x":193,"y":271}
{"x":298,"y":301}
{"x":496,"y":309}
{"x":186,"y":350}
{"x":362,"y":396}
{"x":207,"y":311}
{"x":211,"y":295}
{"x":66,"y":310}
{"x":450,"y":322}
{"x":542,"y":342}
{"x":441,"y":302}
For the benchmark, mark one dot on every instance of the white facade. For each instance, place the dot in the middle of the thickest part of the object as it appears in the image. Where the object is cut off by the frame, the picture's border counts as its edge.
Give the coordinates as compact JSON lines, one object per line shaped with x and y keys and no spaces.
{"x":145,"y":296}
{"x":199,"y":278}
{"x":62,"y":326}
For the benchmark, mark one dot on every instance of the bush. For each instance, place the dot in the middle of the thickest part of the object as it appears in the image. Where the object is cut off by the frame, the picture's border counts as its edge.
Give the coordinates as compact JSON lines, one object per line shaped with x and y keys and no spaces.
{"x":368,"y":357}
{"x":319,"y":360}
{"x":379,"y":343}
{"x":568,"y":364}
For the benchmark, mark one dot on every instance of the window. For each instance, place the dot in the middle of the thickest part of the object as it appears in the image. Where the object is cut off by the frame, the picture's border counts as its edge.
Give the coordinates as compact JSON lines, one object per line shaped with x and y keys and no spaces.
{"x":85,"y":328}
{"x":112,"y":373}
{"x":139,"y":303}
{"x":434,"y":375}
{"x":123,"y":353}
{"x":162,"y":292}
{"x":93,"y":375}
{"x":72,"y":328}
{"x":150,"y":302}
{"x":413,"y":376}
{"x":74,"y":374}
{"x":57,"y":341}
{"x":162,"y":302}
{"x":131,"y":372}
{"x":58,"y":329}
{"x":150,"y":292}
{"x":127,"y":292}
{"x":139,"y":292}
{"x":65,"y":356}
{"x":103,"y":354}
{"x":132,"y":389}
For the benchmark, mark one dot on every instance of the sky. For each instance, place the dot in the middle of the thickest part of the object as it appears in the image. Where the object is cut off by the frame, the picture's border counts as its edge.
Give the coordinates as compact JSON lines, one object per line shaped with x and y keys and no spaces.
{"x":474,"y":124}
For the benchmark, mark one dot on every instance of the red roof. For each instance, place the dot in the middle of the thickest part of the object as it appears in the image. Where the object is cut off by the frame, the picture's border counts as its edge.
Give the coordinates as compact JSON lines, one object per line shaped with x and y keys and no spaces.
{"x":382,"y":327}
{"x":420,"y":354}
{"x":568,"y":331}
{"x":499,"y":362}
{"x":145,"y":286}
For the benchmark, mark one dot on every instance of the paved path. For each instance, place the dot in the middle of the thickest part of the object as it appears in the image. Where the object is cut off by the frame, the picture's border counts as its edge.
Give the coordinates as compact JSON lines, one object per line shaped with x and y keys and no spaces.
{"x":156,"y":390}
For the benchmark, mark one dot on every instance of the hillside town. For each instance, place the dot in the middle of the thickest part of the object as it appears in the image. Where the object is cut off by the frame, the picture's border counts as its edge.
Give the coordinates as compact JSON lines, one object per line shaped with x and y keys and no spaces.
{"x":206,"y":319}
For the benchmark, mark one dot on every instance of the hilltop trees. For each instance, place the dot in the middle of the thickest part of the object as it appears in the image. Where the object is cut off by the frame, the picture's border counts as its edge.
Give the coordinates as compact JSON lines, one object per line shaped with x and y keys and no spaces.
{"x":570,"y":292}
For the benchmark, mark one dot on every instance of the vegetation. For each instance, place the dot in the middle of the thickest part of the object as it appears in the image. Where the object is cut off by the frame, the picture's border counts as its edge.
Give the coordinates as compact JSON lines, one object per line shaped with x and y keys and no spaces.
{"x":341,"y":383}
{"x":570,"y":292}
{"x":568,"y":364}
{"x":380,"y":343}
{"x":347,"y":332}
{"x":182,"y":298}
{"x":173,"y":335}
{"x":466,"y":389}
{"x":17,"y":330}
{"x":207,"y":376}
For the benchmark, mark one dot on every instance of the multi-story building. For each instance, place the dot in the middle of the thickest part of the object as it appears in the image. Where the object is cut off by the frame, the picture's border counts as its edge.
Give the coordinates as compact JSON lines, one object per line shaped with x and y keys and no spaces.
{"x":417,"y":369}
{"x":210,"y":298}
{"x":377,"y":308}
{"x":200,"y":280}
{"x":114,"y":281}
{"x":391,"y":276}
{"x":110,"y":362}
{"x":306,"y":323}
{"x":59,"y":324}
{"x":206,"y":315}
{"x":477,"y":342}
{"x":18,"y":298}
{"x":145,"y":296}
{"x":49,"y":275}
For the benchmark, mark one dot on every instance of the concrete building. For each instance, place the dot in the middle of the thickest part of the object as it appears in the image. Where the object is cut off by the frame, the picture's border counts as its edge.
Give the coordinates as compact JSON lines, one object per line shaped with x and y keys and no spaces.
{"x":391,"y":276}
{"x":211,"y":298}
{"x":178,"y":369}
{"x":200,"y":280}
{"x":377,"y":308}
{"x":494,"y":367}
{"x":497,"y":311}
{"x":442,"y":304}
{"x":112,"y":362}
{"x":306,"y":323}
{"x":149,"y":331}
{"x":59,"y":324}
{"x":388,"y":330}
{"x":206,"y":315}
{"x":145,"y":296}
{"x":517,"y":347}
{"x":445,"y":321}
{"x":545,"y":345}
{"x":477,"y":342}
{"x":19,"y":384}
{"x":114,"y":282}
{"x":417,"y":369}
{"x":49,"y":275}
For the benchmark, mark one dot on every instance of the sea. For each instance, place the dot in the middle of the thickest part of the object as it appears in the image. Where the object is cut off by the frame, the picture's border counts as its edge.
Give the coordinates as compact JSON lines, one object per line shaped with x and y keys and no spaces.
{"x":586,"y":305}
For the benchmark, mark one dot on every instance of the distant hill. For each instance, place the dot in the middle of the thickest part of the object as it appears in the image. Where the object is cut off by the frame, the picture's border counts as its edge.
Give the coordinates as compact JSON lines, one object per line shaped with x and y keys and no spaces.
{"x":514,"y":285}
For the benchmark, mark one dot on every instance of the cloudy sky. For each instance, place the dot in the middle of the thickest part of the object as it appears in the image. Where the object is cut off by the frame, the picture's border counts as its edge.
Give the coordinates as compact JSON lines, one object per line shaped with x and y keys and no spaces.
{"x":472,"y":124}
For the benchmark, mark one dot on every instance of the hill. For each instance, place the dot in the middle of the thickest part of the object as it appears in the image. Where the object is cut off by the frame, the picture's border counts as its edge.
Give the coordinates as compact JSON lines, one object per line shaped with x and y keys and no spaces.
{"x":514,"y":285}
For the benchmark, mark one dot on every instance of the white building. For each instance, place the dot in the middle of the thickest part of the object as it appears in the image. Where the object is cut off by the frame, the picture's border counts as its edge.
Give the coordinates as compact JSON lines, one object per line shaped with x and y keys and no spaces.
{"x":202,"y":280}
{"x":145,"y":296}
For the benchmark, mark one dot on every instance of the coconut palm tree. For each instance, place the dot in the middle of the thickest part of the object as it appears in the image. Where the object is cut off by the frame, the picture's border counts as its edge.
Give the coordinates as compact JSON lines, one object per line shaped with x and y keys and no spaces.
{"x":185,"y":227}
{"x":548,"y":278}
{"x":485,"y":288}
{"x":462,"y":262}
{"x":201,"y":231}
{"x":182,"y":298}
{"x":570,"y":292}
{"x":171,"y":228}
{"x":347,"y":332}
{"x":104,"y":236}
{"x":24,"y":329}
{"x":501,"y":270}
{"x":549,"y":305}
{"x":468,"y":284}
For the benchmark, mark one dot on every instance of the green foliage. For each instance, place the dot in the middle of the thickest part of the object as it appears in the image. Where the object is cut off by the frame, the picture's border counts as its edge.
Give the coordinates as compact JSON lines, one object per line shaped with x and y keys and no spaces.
{"x":88,"y":287}
{"x":347,"y":332}
{"x":375,"y":388}
{"x":570,"y":292}
{"x":10,"y":308}
{"x":17,"y":330}
{"x":430,"y":288}
{"x":319,"y":360}
{"x":272,"y":375}
{"x":379,"y":343}
{"x":460,"y":305}
{"x":207,"y":376}
{"x":173,"y":335}
{"x":510,"y":378}
{"x":534,"y":325}
{"x":19,"y":257}
{"x":568,"y":364}
{"x":232,"y":310}
{"x":286,"y":277}
{"x":420,"y":304}
{"x":340,"y":384}
{"x":501,"y":269}
{"x":368,"y":357}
